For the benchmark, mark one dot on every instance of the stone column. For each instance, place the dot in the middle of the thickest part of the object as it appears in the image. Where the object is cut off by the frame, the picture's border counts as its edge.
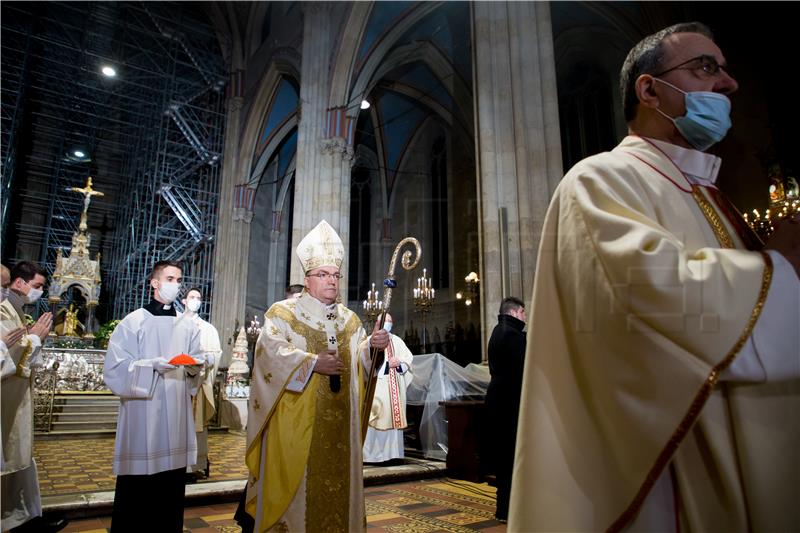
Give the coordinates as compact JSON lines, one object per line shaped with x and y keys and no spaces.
{"x":518,"y":144}
{"x":232,"y":248}
{"x":324,"y":150}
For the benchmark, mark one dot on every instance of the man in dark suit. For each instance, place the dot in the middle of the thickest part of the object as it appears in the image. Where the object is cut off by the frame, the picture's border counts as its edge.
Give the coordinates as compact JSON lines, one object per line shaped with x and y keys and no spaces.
{"x":506,"y":361}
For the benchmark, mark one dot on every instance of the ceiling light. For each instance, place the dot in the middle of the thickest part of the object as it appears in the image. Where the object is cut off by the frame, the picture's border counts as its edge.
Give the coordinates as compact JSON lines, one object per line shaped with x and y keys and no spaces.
{"x":108,"y":71}
{"x":78,"y":154}
{"x":364,"y":104}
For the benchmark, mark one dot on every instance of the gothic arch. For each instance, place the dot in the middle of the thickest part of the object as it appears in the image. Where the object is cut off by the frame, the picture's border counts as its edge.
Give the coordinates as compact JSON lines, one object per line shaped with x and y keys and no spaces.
{"x":255,"y":25}
{"x":282,"y":66}
{"x":276,"y":140}
{"x":441,"y":66}
{"x":280,"y":200}
{"x":346,"y":54}
{"x":414,"y":140}
{"x":345,"y":90}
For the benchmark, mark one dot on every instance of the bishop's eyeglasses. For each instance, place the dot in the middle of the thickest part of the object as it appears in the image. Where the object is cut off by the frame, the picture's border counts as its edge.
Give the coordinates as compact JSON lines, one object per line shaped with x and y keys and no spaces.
{"x":325,"y":275}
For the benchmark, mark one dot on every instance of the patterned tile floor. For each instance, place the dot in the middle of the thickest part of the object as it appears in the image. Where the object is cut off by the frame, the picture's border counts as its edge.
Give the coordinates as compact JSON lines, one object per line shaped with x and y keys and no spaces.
{"x":84,"y":465}
{"x":430,"y":506}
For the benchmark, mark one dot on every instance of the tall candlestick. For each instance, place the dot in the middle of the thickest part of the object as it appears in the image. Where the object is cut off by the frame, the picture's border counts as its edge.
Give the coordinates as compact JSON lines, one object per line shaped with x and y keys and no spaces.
{"x":372,"y":306}
{"x":424,"y":294}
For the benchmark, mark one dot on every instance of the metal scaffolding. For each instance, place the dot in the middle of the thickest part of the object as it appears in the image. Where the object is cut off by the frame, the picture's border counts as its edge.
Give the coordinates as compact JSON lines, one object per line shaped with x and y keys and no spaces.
{"x":151,"y":137}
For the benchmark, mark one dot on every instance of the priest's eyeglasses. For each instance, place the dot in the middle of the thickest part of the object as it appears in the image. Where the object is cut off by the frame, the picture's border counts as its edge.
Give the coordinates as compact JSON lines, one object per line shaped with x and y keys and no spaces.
{"x":705,"y":63}
{"x":325,"y":275}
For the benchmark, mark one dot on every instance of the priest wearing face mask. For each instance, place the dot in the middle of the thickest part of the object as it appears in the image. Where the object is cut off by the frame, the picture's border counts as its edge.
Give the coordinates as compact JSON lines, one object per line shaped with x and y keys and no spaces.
{"x":303,"y":426}
{"x":661,"y":377}
{"x":155,"y":431}
{"x":204,"y":406}
{"x":387,"y":419}
{"x":21,"y":503}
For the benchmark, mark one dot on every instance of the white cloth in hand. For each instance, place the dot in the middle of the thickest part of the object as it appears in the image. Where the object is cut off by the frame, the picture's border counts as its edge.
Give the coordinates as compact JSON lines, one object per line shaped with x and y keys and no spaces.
{"x":161,"y":365}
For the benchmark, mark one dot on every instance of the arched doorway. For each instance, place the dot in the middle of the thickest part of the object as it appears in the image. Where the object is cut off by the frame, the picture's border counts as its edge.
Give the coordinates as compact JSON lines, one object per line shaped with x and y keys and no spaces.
{"x":414,"y":170}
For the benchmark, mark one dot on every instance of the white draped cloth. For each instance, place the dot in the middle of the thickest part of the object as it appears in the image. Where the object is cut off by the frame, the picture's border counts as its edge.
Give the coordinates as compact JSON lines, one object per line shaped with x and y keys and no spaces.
{"x":155,"y":431}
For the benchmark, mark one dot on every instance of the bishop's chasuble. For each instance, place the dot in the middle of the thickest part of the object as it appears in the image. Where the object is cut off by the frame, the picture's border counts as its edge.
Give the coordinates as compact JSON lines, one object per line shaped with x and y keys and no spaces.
{"x":304,"y":441}
{"x":644,"y":296}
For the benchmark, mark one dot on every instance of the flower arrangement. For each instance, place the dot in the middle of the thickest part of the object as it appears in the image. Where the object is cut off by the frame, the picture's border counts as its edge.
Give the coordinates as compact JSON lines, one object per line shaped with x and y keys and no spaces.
{"x":102,"y":335}
{"x":69,"y":343}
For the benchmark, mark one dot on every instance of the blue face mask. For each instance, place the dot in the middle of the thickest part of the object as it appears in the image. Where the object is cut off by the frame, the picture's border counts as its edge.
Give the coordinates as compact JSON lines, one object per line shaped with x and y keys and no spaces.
{"x":707,"y":119}
{"x":387,"y":326}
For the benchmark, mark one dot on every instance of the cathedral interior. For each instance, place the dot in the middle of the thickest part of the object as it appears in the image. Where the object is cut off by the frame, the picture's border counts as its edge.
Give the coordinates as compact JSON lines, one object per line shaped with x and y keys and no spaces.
{"x":217,"y":134}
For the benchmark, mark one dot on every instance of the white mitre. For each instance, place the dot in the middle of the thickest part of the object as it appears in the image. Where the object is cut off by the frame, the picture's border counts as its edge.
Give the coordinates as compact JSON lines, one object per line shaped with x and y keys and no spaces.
{"x":321,"y":247}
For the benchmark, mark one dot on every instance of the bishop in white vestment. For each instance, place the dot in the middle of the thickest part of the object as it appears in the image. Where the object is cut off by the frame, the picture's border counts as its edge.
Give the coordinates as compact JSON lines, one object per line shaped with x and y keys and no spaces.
{"x":303,"y":427}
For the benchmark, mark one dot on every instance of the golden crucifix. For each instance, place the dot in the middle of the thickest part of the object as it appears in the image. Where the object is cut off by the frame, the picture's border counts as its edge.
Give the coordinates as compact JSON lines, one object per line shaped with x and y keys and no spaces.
{"x":87,"y":193}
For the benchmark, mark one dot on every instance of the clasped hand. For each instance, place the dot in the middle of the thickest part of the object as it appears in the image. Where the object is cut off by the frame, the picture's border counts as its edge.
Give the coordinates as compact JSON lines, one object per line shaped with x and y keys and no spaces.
{"x":42,"y":327}
{"x":13,"y":337}
{"x":328,"y":363}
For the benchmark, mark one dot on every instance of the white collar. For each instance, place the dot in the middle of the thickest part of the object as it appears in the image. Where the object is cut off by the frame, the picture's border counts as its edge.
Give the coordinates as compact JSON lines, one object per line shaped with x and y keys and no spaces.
{"x":316,"y":306}
{"x":699,"y":167}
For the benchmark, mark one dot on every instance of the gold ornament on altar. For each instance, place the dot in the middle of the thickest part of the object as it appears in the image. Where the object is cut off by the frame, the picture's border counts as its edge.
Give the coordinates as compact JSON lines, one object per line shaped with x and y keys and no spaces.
{"x":87,"y":193}
{"x":784,"y":202}
{"x":78,"y":269}
{"x":70,"y":326}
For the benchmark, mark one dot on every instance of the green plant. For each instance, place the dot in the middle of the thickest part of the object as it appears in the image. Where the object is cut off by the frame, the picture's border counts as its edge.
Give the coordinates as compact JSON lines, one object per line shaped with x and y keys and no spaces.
{"x":102,"y":335}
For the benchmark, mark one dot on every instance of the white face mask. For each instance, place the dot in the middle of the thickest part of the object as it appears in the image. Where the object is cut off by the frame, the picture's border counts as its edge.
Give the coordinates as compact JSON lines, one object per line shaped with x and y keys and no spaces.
{"x":193,"y":305}
{"x":387,"y":326}
{"x":168,"y":291}
{"x":33,"y":294}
